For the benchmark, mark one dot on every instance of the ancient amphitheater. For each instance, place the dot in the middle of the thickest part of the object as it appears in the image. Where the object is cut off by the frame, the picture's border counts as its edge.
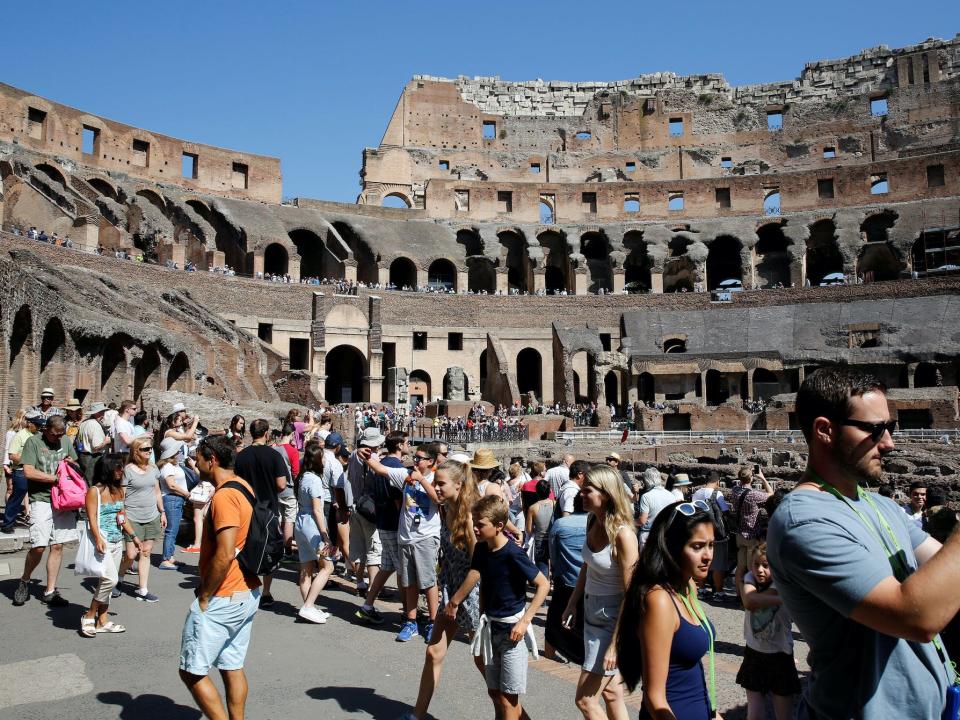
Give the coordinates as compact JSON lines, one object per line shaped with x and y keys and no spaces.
{"x":596,"y":237}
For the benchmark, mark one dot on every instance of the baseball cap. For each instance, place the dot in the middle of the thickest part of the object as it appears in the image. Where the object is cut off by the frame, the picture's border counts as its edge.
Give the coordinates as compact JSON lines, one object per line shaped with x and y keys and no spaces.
{"x":333,"y":439}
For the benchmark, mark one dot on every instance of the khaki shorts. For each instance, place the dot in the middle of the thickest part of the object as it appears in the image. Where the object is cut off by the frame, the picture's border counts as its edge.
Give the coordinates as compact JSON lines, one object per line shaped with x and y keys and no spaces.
{"x":51,"y":527}
{"x":389,"y":550}
{"x":145,"y":531}
{"x":288,"y":509}
{"x":364,"y":541}
{"x":745,"y":550}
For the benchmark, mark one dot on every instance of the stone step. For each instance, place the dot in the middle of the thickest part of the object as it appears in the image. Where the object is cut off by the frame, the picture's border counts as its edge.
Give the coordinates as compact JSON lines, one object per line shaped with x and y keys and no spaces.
{"x":15,"y":541}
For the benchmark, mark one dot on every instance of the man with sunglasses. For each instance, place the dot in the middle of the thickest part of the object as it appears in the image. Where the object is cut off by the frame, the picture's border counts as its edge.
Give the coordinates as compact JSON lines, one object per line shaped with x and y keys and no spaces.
{"x":868,"y":589}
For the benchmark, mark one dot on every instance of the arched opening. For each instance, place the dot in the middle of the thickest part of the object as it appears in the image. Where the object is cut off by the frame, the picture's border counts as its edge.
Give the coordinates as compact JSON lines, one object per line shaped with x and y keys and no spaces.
{"x":514,"y":246}
{"x":646,"y":388}
{"x":483,"y":375}
{"x":765,"y":384}
{"x":53,"y":358}
{"x":927,"y":375}
{"x":717,"y":389}
{"x":481,"y":277}
{"x":637,"y":265}
{"x":674,"y":345}
{"x":876,"y":228}
{"x":596,"y":249}
{"x":611,"y":390}
{"x":546,"y":213}
{"x":317,"y":260}
{"x":723,"y":261}
{"x":773,"y":256}
{"x":275,"y":260}
{"x":418,"y":387}
{"x":396,"y":200}
{"x":51,"y":172}
{"x":113,"y":370}
{"x":471,"y":242}
{"x":21,"y":386}
{"x":576,"y":385}
{"x":771,"y":202}
{"x":403,"y":273}
{"x":584,"y":377}
{"x":442,"y":274}
{"x":103,"y":187}
{"x":557,"y":262}
{"x":823,"y":255}
{"x":230,"y":240}
{"x":154,"y":199}
{"x":530,"y":372}
{"x":878,"y":262}
{"x":146,"y":374}
{"x":178,"y":376}
{"x":367,"y":269}
{"x":679,"y":271}
{"x":346,"y":368}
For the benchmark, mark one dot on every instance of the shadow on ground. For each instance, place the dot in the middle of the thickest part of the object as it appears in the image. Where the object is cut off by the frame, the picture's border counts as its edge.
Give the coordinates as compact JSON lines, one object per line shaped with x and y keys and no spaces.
{"x":360,"y":699}
{"x":147,"y":707}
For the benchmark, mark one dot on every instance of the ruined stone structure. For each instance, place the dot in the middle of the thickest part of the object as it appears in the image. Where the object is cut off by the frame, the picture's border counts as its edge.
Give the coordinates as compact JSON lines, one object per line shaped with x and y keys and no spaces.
{"x":548,"y":194}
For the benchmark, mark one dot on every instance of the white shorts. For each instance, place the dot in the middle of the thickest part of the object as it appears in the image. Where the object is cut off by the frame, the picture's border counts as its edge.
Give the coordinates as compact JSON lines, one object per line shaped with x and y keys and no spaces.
{"x":50,"y":527}
{"x":364,"y":541}
{"x":287,"y":509}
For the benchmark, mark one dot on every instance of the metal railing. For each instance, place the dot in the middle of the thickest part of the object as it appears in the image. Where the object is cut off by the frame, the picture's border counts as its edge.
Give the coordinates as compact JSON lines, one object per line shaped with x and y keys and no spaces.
{"x":474,"y":435}
{"x":650,"y":437}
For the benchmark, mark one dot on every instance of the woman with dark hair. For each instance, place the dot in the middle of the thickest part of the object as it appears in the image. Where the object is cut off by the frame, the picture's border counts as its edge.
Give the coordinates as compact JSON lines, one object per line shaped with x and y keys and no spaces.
{"x":539,"y":519}
{"x":661,"y":610}
{"x":311,"y":533}
{"x":237,"y":428}
{"x":104,"y":504}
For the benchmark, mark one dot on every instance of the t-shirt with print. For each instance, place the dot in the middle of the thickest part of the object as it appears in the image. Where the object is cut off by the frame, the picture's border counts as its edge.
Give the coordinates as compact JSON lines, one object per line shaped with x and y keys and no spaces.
{"x":826,"y":561}
{"x":767,"y":629}
{"x":124,"y":426}
{"x":504,"y":575}
{"x":172,"y":473}
{"x":416,"y":504}
{"x":228,"y":508}
{"x":40,"y":455}
{"x":260,"y":466}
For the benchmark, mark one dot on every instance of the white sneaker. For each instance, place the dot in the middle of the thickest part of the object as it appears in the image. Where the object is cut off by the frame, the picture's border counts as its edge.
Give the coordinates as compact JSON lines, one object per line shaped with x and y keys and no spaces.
{"x":312,"y":614}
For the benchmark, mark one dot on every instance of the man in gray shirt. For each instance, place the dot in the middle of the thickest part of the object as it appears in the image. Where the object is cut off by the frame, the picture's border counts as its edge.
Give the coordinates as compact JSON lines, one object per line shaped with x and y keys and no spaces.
{"x":868,"y":591}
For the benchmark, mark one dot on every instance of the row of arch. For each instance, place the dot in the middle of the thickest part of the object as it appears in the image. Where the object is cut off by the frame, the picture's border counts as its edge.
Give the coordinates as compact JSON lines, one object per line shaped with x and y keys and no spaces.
{"x":85,"y":368}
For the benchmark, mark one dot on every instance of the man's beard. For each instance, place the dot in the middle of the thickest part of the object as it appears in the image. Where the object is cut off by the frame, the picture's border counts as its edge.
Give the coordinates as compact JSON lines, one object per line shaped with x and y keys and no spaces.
{"x":859,"y":470}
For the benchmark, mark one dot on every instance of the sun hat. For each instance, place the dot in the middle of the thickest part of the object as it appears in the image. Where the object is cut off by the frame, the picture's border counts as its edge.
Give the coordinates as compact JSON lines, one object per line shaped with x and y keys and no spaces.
{"x":97,"y":407}
{"x":47,"y":392}
{"x":484,"y":459}
{"x":613,"y":456}
{"x":372,"y":437}
{"x":460,"y":457}
{"x":169,"y":447}
{"x":681,"y":479}
{"x":74,"y":404}
{"x":177,"y":407}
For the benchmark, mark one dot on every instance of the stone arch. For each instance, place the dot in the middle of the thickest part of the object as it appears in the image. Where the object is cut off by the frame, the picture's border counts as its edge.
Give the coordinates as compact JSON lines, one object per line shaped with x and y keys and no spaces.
{"x":147,"y":373}
{"x":595,"y":248}
{"x":55,"y":368}
{"x":637,"y":266}
{"x":530,"y":372}
{"x":926,"y":375}
{"x":442,"y":272}
{"x":403,"y":273}
{"x":400,"y":200}
{"x":104,"y":188}
{"x":367,"y":269}
{"x":773,"y":256}
{"x":679,"y":270}
{"x":879,"y":261}
{"x":717,"y":391}
{"x":723,"y":261}
{"x":178,"y":375}
{"x":275,"y":260}
{"x":483,"y":373}
{"x":154,"y":199}
{"x":53,"y":173}
{"x":21,"y":380}
{"x":318,"y":259}
{"x":766,"y":384}
{"x":823,"y":253}
{"x":646,"y":388}
{"x":481,"y":276}
{"x":419,"y":387}
{"x":471,"y":241}
{"x":611,"y":389}
{"x":558,"y":275}
{"x":584,"y":380}
{"x":113,"y":370}
{"x":876,"y":227}
{"x":513,"y":254}
{"x":346,"y":370}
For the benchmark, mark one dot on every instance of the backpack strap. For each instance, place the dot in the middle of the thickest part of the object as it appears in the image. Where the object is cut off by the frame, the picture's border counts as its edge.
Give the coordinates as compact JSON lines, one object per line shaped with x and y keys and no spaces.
{"x":246,"y":493}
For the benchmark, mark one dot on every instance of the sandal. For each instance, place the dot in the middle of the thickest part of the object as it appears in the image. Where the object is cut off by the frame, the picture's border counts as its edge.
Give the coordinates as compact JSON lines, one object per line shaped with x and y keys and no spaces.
{"x":111,"y":627}
{"x":88,"y":627}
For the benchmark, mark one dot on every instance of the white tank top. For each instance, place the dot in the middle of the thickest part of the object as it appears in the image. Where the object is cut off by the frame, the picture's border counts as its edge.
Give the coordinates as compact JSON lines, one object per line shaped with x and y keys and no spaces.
{"x":603,"y":571}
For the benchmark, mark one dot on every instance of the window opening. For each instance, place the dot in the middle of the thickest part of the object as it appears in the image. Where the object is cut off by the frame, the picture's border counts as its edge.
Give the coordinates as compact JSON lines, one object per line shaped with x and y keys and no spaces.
{"x":489,"y":130}
{"x":189,"y":163}
{"x":676,"y":127}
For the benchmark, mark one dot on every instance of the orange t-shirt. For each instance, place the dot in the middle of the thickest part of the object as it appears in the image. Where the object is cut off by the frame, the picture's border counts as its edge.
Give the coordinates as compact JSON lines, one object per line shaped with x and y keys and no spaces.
{"x":228,"y":508}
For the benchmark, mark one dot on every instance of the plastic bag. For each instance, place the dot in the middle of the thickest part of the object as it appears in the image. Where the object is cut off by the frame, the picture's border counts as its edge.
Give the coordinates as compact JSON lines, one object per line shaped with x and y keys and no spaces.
{"x":89,"y":562}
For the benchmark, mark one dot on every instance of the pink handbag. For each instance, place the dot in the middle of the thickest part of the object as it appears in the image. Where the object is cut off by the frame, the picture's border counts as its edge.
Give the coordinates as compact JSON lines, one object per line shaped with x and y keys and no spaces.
{"x":70,"y":490}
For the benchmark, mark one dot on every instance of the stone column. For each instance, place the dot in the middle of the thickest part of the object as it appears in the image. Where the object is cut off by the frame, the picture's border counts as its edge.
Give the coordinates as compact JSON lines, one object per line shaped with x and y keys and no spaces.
{"x":350,"y":271}
{"x":618,"y":280}
{"x":422,"y":277}
{"x":539,"y":280}
{"x":656,"y":282}
{"x":703,"y":388}
{"x":463,"y":281}
{"x":911,"y":372}
{"x":750,"y":372}
{"x":581,"y":282}
{"x":216,"y":258}
{"x":503,"y":284}
{"x":384,"y":275}
{"x":257,"y":264}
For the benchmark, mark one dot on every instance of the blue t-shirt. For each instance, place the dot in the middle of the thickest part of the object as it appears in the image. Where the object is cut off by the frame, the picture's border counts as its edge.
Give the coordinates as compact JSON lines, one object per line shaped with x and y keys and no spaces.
{"x":567,"y":536}
{"x":504,"y":575}
{"x":825,"y":561}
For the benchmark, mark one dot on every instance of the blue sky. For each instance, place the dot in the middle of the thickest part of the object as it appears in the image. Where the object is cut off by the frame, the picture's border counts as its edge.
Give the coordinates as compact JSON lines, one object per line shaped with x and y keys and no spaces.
{"x":313,"y":83}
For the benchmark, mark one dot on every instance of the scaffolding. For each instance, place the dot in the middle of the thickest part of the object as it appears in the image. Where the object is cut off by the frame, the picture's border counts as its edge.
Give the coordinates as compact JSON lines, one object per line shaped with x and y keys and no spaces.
{"x":938,"y":247}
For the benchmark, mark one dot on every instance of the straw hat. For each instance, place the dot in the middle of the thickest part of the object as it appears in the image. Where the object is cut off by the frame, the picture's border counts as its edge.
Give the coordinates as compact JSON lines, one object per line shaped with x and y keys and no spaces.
{"x":681,"y":479}
{"x":74,"y":404}
{"x":483,"y":459}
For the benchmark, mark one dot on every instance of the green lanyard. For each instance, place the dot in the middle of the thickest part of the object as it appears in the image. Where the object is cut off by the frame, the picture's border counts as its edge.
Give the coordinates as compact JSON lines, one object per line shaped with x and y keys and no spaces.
{"x":693,"y":607}
{"x":895,"y":556}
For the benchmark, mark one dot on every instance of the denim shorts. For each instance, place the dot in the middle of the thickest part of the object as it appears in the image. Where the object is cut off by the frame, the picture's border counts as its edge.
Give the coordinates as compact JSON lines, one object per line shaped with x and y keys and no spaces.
{"x":507,"y":671}
{"x":218,"y":637}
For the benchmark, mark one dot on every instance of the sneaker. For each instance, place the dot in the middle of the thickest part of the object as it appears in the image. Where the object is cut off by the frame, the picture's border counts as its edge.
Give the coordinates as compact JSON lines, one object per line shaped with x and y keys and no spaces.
{"x":362,"y":588}
{"x":370,"y":615}
{"x":116,"y":592}
{"x":146,"y":597}
{"x":407,"y":632}
{"x":7,"y":529}
{"x":54,"y":599}
{"x":21,"y":594}
{"x":312,"y":614}
{"x":191,"y":549}
{"x":427,"y":632}
{"x":266,"y":600}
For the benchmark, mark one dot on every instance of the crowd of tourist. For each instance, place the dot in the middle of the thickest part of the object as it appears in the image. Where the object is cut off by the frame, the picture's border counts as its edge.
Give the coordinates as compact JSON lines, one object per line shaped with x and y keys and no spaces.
{"x":630,"y":562}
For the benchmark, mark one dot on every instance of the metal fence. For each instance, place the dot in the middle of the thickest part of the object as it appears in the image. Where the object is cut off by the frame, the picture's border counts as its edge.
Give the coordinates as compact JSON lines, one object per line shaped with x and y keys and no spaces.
{"x":513,"y":433}
{"x":641,"y":437}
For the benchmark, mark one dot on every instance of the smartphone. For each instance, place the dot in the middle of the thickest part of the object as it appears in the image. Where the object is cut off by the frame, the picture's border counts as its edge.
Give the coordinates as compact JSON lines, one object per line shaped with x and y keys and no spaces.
{"x":756,"y":469}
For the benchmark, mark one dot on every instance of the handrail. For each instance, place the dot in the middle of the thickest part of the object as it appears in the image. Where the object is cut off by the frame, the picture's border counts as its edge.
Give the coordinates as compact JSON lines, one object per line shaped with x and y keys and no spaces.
{"x":654,"y":437}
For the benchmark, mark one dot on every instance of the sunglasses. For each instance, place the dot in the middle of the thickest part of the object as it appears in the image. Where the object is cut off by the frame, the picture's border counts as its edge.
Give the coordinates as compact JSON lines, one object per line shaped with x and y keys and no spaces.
{"x":687,"y":509}
{"x":146,"y":448}
{"x":876,"y":430}
{"x":420,"y":458}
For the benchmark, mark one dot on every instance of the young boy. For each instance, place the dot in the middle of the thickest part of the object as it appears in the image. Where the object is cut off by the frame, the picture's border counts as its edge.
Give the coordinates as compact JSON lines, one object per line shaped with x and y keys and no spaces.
{"x":503,"y":570}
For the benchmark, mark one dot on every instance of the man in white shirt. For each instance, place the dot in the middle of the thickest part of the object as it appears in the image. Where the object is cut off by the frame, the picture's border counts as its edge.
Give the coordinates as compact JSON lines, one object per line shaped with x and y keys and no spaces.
{"x":918,"y":503}
{"x":652,"y":502}
{"x":558,"y":476}
{"x":571,"y":488}
{"x":123,"y":426}
{"x":92,"y":440}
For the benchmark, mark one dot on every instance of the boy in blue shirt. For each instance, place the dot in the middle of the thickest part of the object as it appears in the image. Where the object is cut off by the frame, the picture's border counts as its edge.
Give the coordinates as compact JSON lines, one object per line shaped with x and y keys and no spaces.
{"x":504,"y":636}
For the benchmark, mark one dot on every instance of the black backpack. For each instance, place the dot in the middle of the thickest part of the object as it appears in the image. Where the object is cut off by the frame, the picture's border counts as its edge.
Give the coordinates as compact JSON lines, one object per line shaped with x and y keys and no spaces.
{"x":720,"y":518}
{"x":263,"y":549}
